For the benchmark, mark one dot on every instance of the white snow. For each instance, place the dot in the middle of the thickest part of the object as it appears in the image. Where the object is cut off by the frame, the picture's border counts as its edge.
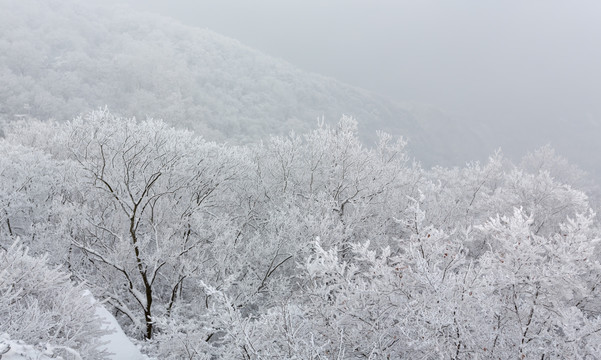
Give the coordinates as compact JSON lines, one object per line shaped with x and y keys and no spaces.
{"x":117,"y":342}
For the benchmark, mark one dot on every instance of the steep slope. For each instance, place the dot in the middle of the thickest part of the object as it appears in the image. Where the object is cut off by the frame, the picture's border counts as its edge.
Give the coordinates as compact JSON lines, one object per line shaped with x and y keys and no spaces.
{"x":62,"y":57}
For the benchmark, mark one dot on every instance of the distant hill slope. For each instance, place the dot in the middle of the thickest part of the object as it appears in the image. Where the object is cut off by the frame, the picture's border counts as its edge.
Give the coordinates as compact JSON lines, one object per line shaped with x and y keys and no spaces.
{"x":62,"y":57}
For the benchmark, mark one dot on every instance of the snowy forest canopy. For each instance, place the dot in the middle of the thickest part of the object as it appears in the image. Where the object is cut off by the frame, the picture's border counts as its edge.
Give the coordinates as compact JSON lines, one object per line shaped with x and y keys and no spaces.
{"x":301,"y":247}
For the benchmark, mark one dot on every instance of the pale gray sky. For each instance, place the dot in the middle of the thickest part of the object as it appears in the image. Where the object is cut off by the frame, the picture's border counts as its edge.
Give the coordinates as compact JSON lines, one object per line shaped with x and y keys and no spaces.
{"x":454,"y":53}
{"x":523,"y":63}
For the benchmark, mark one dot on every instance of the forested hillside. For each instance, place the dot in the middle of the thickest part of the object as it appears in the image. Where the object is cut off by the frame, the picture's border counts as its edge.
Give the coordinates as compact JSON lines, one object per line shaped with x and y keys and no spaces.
{"x":59,"y":58}
{"x":300,"y":247}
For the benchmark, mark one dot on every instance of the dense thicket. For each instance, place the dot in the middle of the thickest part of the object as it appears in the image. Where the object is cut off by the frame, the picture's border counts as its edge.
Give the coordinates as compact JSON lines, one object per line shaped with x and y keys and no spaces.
{"x":41,"y":306}
{"x":308,"y":246}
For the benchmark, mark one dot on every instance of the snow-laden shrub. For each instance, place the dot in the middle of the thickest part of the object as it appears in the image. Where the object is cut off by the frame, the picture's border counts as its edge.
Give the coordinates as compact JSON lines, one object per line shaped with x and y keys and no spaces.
{"x":41,"y":306}
{"x":19,"y":350}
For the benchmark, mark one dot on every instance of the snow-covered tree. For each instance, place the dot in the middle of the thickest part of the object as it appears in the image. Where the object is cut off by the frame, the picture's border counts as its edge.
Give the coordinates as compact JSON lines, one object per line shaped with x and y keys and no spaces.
{"x":308,"y":246}
{"x":41,"y":306}
{"x":149,"y":209}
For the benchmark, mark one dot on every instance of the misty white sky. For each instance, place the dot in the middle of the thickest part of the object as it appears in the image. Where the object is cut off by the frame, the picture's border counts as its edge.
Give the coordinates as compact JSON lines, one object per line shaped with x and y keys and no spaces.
{"x":462,"y":53}
{"x":522,"y":63}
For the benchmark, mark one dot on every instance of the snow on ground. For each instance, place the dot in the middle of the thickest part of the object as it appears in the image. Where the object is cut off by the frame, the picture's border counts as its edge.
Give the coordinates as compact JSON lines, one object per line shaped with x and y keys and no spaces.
{"x":117,"y":343}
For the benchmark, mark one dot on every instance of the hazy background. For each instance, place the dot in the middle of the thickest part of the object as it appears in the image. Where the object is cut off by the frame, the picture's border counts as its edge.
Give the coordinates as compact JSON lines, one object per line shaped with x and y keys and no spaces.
{"x":530,"y":69}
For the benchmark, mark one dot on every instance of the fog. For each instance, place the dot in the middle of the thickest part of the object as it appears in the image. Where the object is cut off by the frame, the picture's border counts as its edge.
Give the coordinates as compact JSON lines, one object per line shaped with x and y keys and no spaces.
{"x":519,"y":58}
{"x":521,"y":64}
